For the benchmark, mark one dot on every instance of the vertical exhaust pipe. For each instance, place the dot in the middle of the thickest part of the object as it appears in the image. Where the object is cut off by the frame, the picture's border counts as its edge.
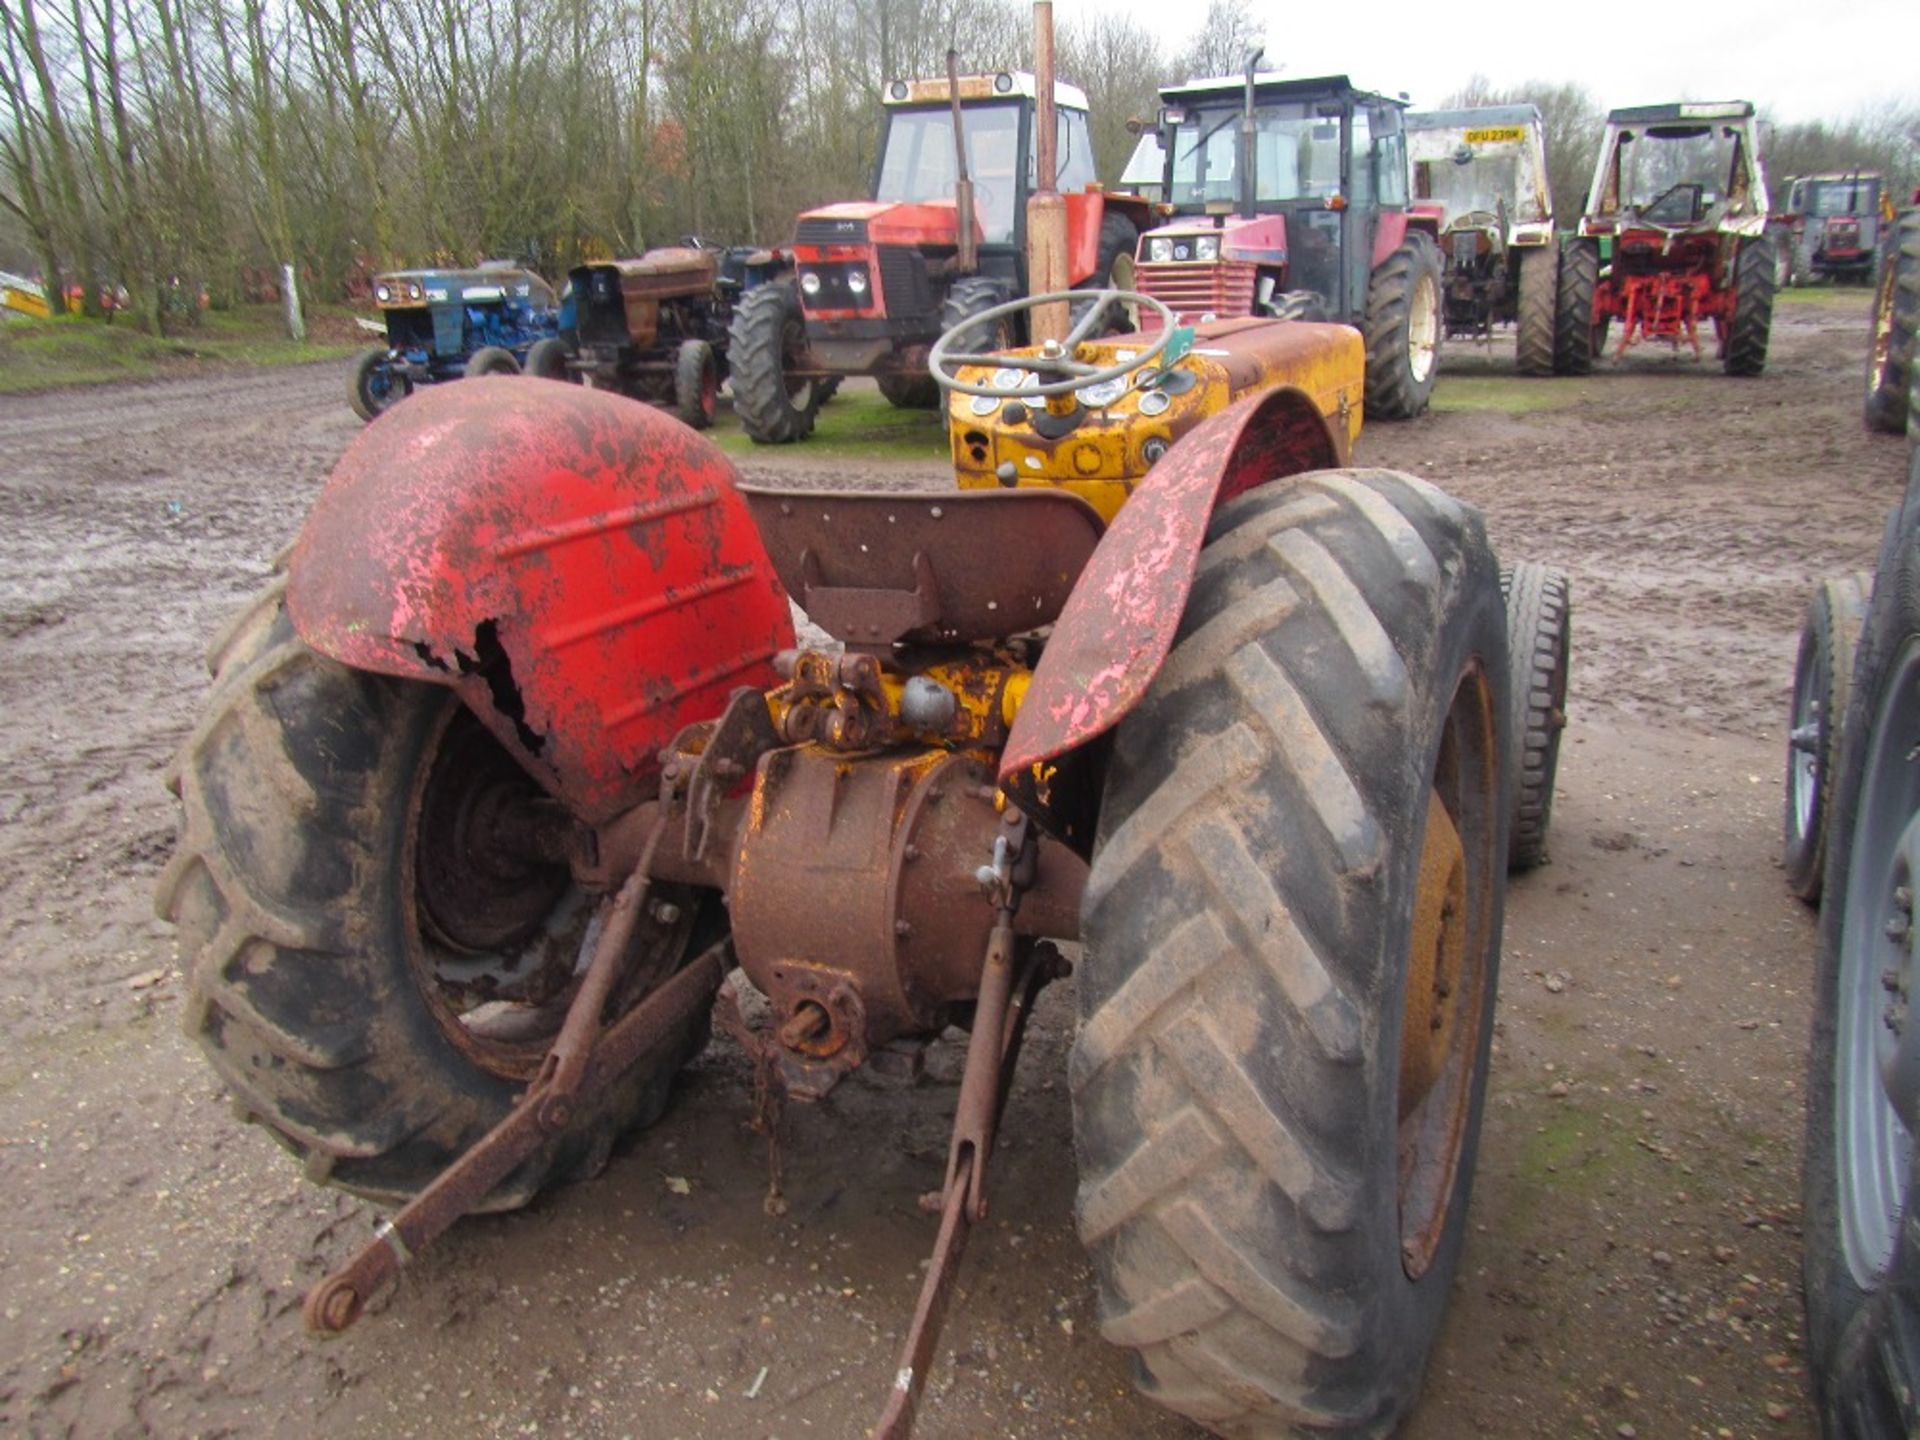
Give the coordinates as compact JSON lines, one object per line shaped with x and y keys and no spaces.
{"x":1046,"y":209}
{"x":968,"y":260}
{"x":1248,"y":190}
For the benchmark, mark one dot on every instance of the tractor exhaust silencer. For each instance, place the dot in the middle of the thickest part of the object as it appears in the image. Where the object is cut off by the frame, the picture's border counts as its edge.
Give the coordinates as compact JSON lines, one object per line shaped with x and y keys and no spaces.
{"x":968,"y":258}
{"x":1248,"y":131}
{"x":1046,"y":209}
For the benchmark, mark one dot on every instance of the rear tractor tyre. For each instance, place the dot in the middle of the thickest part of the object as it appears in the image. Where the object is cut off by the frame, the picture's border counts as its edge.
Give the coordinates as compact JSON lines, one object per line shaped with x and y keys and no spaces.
{"x":1861,"y":1172}
{"x":1292,"y":937}
{"x":1822,"y":685}
{"x":491,"y":360}
{"x":696,"y":384}
{"x":1403,"y":330}
{"x":1539,"y":655}
{"x":969,"y":297}
{"x":1577,"y":337}
{"x":547,"y":360}
{"x":1746,"y":343}
{"x":1112,"y":270}
{"x":1539,"y":300}
{"x":373,"y":388}
{"x":1896,"y":321}
{"x":372,"y":984}
{"x":766,"y":343}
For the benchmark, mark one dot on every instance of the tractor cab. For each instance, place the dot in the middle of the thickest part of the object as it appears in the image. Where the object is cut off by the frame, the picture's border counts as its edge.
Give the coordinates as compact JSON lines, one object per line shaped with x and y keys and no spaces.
{"x":1833,"y":225}
{"x":1671,"y":173}
{"x":1486,"y":168}
{"x":1286,"y":194}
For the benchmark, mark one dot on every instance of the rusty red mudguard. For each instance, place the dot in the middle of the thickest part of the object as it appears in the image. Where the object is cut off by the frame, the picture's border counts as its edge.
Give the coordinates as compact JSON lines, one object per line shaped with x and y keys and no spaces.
{"x":1118,"y":625}
{"x":579,"y":567}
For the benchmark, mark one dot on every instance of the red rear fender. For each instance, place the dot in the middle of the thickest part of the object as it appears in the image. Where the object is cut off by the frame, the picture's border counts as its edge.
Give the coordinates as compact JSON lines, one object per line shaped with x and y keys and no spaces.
{"x":580,"y":568}
{"x":1119,"y":624}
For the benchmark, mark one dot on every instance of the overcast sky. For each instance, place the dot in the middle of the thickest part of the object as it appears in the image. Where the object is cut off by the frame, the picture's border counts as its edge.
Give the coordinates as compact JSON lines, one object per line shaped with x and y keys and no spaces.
{"x":1800,"y":59}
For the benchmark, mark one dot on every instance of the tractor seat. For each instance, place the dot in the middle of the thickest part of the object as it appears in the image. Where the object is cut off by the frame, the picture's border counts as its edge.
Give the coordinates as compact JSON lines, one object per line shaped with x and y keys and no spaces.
{"x":873,"y":568}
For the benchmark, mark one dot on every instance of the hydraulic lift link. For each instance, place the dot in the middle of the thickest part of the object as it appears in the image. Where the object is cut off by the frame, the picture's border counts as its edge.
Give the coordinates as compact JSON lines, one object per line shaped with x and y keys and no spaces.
{"x":1015,"y":973}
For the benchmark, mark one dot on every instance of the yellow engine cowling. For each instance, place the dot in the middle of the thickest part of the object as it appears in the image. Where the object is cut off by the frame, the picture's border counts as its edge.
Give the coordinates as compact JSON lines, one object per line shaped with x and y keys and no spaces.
{"x":1100,"y":445}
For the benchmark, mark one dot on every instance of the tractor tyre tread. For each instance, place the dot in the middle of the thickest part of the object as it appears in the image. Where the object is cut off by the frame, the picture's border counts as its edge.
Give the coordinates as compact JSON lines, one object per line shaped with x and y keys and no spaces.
{"x":1573,"y":328}
{"x":491,"y":360}
{"x":1246,"y":845}
{"x":1393,"y":392}
{"x":693,"y":397}
{"x":1752,"y":322}
{"x":1896,"y":323}
{"x":283,"y":893}
{"x":1539,"y":648}
{"x":1539,"y":299}
{"x":757,"y":355}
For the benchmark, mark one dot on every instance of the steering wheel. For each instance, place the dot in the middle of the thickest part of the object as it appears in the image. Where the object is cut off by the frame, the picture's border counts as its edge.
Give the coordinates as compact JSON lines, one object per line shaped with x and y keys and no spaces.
{"x":1053,"y":359}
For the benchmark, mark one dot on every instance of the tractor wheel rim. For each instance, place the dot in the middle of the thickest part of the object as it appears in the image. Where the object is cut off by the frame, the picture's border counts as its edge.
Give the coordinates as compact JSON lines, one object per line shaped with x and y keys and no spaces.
{"x":1803,"y":738}
{"x":1423,"y":341}
{"x":497,"y":934}
{"x":1881,"y":348}
{"x":1877,"y":1045}
{"x":1447,"y":974}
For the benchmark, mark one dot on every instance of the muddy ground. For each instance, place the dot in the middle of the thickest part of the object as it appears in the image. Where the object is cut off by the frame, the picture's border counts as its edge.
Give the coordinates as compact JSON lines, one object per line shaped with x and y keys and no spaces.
{"x":1633,"y":1261}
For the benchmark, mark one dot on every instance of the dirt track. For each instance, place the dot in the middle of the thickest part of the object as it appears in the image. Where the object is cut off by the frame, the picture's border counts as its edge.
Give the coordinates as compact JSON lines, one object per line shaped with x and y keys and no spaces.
{"x":1634,"y":1259}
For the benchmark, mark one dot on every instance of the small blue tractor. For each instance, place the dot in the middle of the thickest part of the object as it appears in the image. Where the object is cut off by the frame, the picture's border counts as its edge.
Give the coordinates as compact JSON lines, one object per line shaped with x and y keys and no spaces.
{"x":445,"y":324}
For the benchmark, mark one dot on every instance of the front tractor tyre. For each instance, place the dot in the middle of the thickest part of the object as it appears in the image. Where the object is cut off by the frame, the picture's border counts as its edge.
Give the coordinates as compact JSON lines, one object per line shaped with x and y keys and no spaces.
{"x":1822,"y":685}
{"x":1402,"y":330}
{"x":1540,"y":661}
{"x":374,"y":388}
{"x":547,"y":360}
{"x":1292,"y":932}
{"x":767,"y":344}
{"x":1745,"y":349}
{"x":1861,"y":1172}
{"x":1896,"y":321}
{"x":491,"y":360}
{"x":1577,"y":338}
{"x":696,"y":384}
{"x":372,"y":973}
{"x":1539,"y":303}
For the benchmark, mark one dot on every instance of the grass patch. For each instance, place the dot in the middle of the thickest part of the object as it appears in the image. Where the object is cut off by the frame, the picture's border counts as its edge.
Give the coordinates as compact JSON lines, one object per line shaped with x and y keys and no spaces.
{"x":1502,"y":395}
{"x":1847,"y":299}
{"x":73,"y":350}
{"x":858,"y":424}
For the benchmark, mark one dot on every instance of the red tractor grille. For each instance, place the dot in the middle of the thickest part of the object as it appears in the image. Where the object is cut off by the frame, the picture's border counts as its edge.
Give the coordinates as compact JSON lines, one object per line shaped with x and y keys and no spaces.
{"x":1223,"y":288}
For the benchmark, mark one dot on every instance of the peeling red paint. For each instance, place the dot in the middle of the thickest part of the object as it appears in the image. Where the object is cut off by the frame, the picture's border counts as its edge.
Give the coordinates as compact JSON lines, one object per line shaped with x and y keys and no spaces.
{"x":1119,"y":624}
{"x":603,"y":543}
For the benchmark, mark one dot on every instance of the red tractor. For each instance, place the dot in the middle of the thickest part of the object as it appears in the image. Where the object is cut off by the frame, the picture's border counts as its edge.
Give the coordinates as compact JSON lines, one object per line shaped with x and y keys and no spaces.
{"x":881,"y":279}
{"x":1679,"y":201}
{"x":1291,"y":199}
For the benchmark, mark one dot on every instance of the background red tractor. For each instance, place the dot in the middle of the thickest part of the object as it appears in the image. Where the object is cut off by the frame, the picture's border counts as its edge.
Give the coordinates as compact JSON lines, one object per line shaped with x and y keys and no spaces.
{"x":880,"y":280}
{"x":1679,"y":201}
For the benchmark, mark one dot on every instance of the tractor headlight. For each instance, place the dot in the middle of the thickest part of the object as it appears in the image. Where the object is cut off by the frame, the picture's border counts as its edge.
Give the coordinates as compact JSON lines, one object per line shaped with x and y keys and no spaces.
{"x":414,"y":291}
{"x":1207,"y":247}
{"x":382,"y":294}
{"x":857,"y":281}
{"x":1159,"y":251}
{"x":1183,"y":249}
{"x":809,"y":283}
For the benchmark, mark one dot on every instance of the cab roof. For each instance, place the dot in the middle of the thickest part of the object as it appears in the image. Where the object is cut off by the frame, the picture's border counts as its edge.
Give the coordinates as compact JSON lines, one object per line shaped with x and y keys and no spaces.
{"x":1270,"y":85}
{"x":1681,"y":112}
{"x":1473,"y":117}
{"x":1002,"y":85}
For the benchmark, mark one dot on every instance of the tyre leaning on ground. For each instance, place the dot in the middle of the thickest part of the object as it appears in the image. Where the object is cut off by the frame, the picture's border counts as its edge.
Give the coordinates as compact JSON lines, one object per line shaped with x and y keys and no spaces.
{"x":342,"y":933}
{"x":1576,"y":339}
{"x":1539,"y":652}
{"x":1822,"y":683}
{"x":1747,"y":332}
{"x":1539,"y":305}
{"x":767,"y":339}
{"x":373,"y":388}
{"x":1402,"y":329}
{"x":491,"y":360}
{"x":1292,"y":937}
{"x":1861,"y":1187}
{"x":696,"y":384}
{"x":547,"y":360}
{"x":1896,"y":321}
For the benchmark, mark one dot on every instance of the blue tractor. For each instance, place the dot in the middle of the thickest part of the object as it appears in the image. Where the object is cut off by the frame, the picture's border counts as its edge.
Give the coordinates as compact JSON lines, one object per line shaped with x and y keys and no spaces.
{"x":445,"y":324}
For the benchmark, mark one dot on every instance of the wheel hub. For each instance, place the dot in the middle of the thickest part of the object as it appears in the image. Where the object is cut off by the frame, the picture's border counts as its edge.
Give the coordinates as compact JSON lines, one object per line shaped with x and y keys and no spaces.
{"x":1437,"y":958}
